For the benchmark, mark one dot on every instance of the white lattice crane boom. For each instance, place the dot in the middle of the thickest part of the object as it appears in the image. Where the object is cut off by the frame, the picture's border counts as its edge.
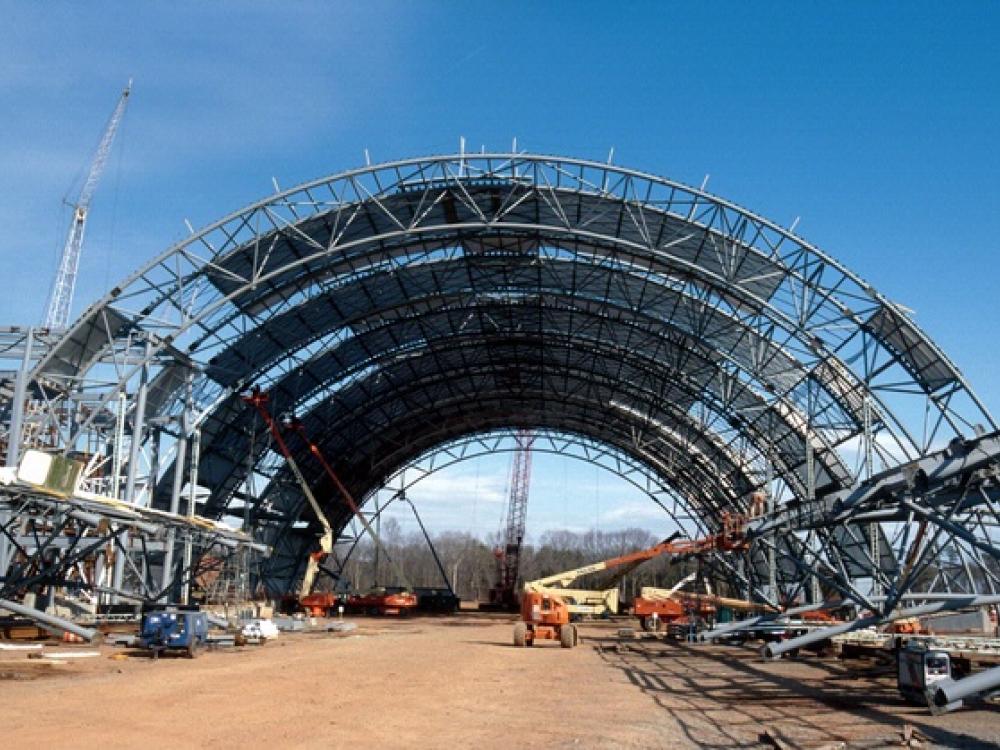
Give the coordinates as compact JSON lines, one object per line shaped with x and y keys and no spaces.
{"x":61,"y":298}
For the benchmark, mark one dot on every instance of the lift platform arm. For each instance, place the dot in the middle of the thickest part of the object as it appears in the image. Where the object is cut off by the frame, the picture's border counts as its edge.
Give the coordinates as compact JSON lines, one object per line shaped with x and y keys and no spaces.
{"x":259,"y":401}
{"x":728,"y":539}
{"x":297,"y":425}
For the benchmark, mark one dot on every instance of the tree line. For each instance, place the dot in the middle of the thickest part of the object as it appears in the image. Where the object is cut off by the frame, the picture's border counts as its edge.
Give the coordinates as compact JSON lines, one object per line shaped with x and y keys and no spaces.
{"x":470,"y":563}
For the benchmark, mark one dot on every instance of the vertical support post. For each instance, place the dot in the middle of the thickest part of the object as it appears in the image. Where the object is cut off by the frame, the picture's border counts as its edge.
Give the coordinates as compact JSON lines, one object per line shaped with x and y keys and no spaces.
{"x":17,"y":407}
{"x":154,"y":473}
{"x":116,"y":459}
{"x":772,"y":563}
{"x":243,"y":573}
{"x":138,"y":427}
{"x":14,"y":438}
{"x":192,"y":492}
{"x":175,"y":504}
{"x":810,"y":470}
{"x":873,"y":528}
{"x":378,"y":533}
{"x":816,"y":593}
{"x":184,"y":424}
{"x":6,"y":550}
{"x":868,"y":448}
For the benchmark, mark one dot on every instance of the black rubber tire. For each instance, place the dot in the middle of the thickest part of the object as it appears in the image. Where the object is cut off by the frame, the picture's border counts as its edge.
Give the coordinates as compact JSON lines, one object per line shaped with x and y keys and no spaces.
{"x":520,"y":635}
{"x":651,"y":624}
{"x":567,"y":636}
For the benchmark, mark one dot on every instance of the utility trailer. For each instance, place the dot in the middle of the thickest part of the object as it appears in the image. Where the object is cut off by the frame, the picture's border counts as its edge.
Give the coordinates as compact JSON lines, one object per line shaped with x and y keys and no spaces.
{"x":436,"y":600}
{"x":182,"y":629}
{"x":919,"y":669}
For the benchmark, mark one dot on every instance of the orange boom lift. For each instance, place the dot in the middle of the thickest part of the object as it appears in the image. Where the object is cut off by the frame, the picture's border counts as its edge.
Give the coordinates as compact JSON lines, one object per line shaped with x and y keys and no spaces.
{"x":323,"y":603}
{"x":545,"y":615}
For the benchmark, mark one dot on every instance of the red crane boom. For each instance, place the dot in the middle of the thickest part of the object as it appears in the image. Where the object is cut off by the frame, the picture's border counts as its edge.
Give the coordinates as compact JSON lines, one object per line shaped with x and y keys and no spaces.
{"x":504,"y":593}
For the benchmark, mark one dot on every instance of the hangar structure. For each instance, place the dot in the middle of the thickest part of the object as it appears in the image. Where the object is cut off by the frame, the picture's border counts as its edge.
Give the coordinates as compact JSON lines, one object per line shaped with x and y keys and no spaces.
{"x":430,"y":307}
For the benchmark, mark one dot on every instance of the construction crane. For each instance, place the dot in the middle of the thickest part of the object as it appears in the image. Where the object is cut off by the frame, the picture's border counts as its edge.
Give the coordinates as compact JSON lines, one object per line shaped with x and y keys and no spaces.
{"x":504,"y":594}
{"x":61,"y":296}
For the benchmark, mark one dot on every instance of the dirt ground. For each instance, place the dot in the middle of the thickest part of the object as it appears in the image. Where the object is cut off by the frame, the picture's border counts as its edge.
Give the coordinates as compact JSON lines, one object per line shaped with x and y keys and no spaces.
{"x":457,"y":682}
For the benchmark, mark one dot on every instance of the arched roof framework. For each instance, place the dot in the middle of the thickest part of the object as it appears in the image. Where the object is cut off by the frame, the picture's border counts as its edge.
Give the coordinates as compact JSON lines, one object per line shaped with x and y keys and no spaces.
{"x":639,"y":307}
{"x":655,"y":350}
{"x":563,"y":444}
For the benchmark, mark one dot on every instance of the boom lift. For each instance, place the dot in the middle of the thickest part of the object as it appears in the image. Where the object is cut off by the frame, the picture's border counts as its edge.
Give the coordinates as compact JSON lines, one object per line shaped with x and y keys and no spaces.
{"x":583,"y":601}
{"x":546,"y":611}
{"x":259,"y":401}
{"x":381,"y":602}
{"x":657,"y":607}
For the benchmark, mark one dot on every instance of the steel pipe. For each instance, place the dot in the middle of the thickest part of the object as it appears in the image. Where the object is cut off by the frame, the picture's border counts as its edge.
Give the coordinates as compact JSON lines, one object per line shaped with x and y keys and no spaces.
{"x":773,"y":650}
{"x":95,"y":520}
{"x":217,"y":621}
{"x":53,"y":624}
{"x":943,"y":693}
{"x":751,"y":622}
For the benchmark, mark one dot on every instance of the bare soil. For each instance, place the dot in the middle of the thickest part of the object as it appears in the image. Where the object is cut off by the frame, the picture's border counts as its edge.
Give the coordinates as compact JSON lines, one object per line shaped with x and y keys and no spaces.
{"x":458,"y":682}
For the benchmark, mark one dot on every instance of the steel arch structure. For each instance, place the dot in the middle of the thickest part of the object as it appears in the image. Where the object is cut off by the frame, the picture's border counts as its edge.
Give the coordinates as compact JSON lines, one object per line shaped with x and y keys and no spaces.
{"x":574,"y":447}
{"x":397,"y":307}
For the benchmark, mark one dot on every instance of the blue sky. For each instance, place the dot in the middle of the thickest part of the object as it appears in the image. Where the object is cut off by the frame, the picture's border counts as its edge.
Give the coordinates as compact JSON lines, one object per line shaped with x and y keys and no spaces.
{"x":876,"y":123}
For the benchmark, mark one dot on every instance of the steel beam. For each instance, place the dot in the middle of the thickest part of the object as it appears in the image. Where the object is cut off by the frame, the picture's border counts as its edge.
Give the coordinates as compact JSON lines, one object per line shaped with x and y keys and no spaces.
{"x":774,"y":650}
{"x":53,"y":624}
{"x":947,"y":692}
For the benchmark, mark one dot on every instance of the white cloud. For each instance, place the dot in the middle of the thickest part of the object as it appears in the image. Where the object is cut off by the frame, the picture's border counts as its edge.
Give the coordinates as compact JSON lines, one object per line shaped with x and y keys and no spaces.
{"x":636,"y":513}
{"x":448,"y":488}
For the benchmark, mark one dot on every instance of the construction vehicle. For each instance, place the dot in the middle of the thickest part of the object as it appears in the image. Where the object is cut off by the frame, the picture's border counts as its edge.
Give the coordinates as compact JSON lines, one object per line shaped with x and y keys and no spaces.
{"x":181,"y":629}
{"x":321,"y":603}
{"x":581,"y":602}
{"x":544,"y":616}
{"x":547,"y":605}
{"x":259,"y":401}
{"x":673,"y":610}
{"x":377,"y":601}
{"x":382,"y":601}
{"x":503,"y":595}
{"x":657,"y":608}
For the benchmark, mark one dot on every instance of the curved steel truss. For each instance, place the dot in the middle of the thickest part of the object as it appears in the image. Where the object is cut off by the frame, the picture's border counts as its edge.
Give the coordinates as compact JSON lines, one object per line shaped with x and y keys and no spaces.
{"x":400,"y":307}
{"x":471,"y":447}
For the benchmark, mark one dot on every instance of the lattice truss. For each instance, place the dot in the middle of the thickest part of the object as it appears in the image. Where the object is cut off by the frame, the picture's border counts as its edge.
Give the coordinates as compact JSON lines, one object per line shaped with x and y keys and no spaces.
{"x":431,"y":302}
